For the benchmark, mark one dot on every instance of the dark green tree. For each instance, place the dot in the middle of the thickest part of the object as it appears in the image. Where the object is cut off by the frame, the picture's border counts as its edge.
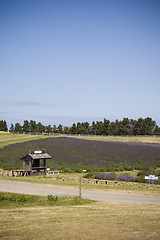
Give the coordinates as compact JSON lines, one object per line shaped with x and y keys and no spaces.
{"x":114,"y":127}
{"x":124,"y":127}
{"x":18,"y":128}
{"x":3,"y":126}
{"x":60,"y":129}
{"x":138,"y":127}
{"x":26,"y":126}
{"x":78,"y":130}
{"x":149,"y":126}
{"x":84,"y":128}
{"x":33,"y":127}
{"x":40,"y":128}
{"x":66,"y":130}
{"x":54,"y":129}
{"x":157,"y":130}
{"x":93,"y":128}
{"x":73,"y":129}
{"x":106,"y":130}
{"x":49,"y":129}
{"x":132,"y":125}
{"x":12,"y":129}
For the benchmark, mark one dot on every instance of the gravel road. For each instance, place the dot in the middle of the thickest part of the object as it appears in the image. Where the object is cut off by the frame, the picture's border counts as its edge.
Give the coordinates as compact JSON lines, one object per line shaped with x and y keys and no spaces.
{"x":44,"y":190}
{"x":7,"y":139}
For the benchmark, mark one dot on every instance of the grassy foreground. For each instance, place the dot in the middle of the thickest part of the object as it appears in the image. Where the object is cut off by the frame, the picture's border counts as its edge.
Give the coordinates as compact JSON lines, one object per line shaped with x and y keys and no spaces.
{"x":10,"y":200}
{"x":96,"y":220}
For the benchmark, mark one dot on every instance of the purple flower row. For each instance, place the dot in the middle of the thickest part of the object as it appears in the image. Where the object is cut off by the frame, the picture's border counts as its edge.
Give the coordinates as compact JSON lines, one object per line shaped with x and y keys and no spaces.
{"x":104,"y":176}
{"x":153,"y":181}
{"x":125,"y":178}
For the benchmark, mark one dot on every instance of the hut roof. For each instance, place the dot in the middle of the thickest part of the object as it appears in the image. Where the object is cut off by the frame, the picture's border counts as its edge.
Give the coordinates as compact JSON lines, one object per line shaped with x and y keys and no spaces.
{"x":38,"y":156}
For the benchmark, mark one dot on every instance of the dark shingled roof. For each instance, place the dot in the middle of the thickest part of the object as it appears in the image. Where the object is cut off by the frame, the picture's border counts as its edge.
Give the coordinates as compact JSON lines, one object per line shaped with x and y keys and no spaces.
{"x":38,"y":156}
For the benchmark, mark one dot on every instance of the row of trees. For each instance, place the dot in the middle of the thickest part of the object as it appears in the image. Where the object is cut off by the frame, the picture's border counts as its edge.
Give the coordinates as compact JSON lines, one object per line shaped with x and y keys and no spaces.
{"x":127,"y":126}
{"x":3,"y":126}
{"x":141,"y":126}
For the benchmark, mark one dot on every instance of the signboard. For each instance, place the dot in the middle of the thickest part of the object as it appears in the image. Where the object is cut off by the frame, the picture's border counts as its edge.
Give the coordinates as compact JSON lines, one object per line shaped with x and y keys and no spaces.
{"x":151,"y":177}
{"x":37,"y":151}
{"x":52,"y":173}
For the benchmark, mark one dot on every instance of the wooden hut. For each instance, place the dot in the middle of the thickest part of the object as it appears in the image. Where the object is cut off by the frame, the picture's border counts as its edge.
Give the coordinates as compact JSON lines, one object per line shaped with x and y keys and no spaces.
{"x":35,"y":162}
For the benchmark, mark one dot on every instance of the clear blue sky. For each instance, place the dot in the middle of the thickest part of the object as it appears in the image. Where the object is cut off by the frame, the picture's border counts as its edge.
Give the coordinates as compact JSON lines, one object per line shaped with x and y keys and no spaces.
{"x":64,"y":61}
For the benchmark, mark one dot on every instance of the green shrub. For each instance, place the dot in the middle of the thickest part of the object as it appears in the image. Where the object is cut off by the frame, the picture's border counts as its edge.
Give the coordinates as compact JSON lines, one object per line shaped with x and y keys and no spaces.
{"x":143,"y":173}
{"x":102,"y":170}
{"x":78,"y":170}
{"x":158,"y":173}
{"x":88,"y":170}
{"x":128,"y":168}
{"x":91,"y":175}
{"x":52,"y":198}
{"x":68,"y":170}
{"x":140,"y":179}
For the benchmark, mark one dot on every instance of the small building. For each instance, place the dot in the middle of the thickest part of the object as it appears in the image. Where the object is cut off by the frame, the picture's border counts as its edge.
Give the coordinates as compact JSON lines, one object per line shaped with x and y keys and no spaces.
{"x":35,"y":162}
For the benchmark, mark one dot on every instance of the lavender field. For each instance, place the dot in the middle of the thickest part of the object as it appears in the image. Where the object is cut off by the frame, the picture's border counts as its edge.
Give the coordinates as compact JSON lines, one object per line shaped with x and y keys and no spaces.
{"x":85,"y":154}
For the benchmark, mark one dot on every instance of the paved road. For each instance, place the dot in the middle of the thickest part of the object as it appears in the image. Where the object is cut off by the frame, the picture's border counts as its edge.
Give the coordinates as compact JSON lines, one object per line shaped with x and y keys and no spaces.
{"x":44,"y":190}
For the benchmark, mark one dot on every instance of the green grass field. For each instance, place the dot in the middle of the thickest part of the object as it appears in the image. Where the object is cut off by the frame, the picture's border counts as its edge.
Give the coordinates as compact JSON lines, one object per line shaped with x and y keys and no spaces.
{"x":87,"y":220}
{"x":143,"y":139}
{"x":4,"y":135}
{"x":21,"y":138}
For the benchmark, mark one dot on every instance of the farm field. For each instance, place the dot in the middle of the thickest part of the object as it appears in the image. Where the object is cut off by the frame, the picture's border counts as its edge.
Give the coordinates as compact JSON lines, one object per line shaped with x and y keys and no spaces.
{"x":98,"y":220}
{"x":138,"y":139}
{"x":84,"y":154}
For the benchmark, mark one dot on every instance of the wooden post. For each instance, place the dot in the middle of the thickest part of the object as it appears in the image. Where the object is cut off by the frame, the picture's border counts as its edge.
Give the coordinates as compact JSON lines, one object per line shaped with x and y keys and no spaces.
{"x":80,"y":187}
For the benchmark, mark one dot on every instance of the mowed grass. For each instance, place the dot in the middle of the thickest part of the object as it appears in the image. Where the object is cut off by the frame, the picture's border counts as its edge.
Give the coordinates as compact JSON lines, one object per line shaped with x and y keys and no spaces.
{"x":10,"y":200}
{"x":4,"y":135}
{"x":138,"y":139}
{"x":98,"y":220}
{"x":20,"y":140}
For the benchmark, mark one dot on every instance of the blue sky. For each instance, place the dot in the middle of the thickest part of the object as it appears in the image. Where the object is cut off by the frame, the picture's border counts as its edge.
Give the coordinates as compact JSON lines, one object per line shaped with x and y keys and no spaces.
{"x":64,"y":61}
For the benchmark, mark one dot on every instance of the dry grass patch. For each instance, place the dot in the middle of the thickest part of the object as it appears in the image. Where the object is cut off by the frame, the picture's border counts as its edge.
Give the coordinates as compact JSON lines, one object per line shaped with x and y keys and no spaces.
{"x":94,"y":221}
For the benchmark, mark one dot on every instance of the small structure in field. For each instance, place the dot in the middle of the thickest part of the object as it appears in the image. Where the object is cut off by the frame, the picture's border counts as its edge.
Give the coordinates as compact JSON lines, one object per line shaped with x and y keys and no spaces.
{"x":35,"y":162}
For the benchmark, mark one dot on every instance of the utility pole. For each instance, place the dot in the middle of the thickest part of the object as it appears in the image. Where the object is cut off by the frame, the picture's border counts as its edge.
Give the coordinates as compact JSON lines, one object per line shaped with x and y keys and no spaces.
{"x":80,"y":186}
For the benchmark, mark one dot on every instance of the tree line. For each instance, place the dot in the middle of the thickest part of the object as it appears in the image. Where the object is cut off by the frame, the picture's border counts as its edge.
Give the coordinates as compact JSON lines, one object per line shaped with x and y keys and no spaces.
{"x":130,"y":127}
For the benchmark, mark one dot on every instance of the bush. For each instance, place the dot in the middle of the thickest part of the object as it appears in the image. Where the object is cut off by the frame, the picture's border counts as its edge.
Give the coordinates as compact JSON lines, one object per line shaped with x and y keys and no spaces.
{"x":16,"y":198}
{"x":68,"y":170}
{"x":52,"y":198}
{"x":128,"y":168}
{"x":143,"y":173}
{"x":78,"y":170}
{"x":108,"y":176}
{"x":125,"y":178}
{"x":140,"y":179}
{"x":91,"y":175}
{"x":158,"y":173}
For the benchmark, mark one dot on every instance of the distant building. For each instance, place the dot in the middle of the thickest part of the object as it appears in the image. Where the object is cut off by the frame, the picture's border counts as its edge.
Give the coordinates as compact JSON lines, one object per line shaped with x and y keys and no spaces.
{"x":35,"y":162}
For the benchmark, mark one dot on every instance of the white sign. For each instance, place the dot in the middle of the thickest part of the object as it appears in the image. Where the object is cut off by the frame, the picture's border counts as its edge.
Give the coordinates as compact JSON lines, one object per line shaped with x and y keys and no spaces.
{"x":151,"y":177}
{"x":37,"y":151}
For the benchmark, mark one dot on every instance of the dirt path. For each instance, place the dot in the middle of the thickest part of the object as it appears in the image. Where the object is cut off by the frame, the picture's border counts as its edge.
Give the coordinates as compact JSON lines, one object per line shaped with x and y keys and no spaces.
{"x":44,"y":190}
{"x":7,"y":139}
